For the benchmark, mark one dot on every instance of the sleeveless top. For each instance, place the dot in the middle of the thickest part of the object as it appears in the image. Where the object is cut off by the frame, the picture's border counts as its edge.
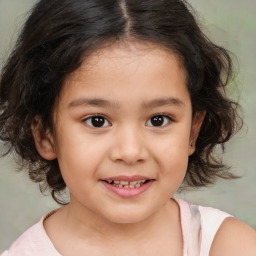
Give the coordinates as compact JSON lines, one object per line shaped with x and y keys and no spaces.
{"x":199,"y":226}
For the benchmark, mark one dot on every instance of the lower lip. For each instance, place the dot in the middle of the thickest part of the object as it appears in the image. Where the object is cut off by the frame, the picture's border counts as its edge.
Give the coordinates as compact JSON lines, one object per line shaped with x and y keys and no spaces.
{"x":128,"y":192}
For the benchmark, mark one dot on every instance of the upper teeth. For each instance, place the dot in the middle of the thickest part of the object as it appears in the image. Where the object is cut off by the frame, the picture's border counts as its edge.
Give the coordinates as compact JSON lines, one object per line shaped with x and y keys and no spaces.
{"x":126,"y":184}
{"x":122,"y":182}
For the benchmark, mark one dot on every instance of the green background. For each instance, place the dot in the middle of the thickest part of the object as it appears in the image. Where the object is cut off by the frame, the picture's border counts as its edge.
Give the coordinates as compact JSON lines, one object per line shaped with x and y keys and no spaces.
{"x":231,"y":24}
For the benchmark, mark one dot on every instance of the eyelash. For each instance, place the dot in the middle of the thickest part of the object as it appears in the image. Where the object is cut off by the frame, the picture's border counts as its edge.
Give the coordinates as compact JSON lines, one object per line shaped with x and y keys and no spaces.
{"x":164,"y":116}
{"x":89,"y":120}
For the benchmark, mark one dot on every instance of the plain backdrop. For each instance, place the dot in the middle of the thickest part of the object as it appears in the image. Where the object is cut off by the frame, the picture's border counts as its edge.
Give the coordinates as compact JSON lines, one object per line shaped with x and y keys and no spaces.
{"x":228,"y":23}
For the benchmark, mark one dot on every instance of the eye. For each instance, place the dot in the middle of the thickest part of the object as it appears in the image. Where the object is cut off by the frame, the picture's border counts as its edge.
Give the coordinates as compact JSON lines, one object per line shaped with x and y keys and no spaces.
{"x":97,"y":121}
{"x":158,"y":121}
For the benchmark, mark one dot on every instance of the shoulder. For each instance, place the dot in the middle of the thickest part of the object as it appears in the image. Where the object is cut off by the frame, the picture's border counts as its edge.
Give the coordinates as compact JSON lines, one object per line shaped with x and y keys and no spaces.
{"x":235,"y":238}
{"x":27,"y":242}
{"x":32,"y":242}
{"x":220,"y":233}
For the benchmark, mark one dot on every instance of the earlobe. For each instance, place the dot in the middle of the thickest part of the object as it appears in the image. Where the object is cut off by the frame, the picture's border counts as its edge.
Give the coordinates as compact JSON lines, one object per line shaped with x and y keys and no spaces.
{"x":43,"y":140}
{"x":195,"y":129}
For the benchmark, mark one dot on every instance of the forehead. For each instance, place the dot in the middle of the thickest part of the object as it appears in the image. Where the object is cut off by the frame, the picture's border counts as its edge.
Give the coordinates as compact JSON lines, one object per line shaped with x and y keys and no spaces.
{"x":132,"y":55}
{"x":133,"y":69}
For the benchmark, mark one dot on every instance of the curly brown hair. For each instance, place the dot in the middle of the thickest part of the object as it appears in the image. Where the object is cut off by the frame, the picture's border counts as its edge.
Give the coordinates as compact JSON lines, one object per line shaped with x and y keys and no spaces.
{"x":57,"y":37}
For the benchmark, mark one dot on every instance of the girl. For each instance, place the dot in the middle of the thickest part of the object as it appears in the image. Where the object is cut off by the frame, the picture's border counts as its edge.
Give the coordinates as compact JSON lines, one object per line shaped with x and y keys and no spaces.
{"x":123,"y":103}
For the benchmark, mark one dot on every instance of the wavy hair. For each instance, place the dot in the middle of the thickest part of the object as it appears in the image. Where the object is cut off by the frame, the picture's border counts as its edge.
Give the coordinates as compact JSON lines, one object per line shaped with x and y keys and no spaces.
{"x":59,"y":34}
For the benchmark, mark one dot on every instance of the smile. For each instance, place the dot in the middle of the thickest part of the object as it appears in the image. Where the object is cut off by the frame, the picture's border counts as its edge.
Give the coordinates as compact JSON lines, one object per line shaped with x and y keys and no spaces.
{"x":126,"y":184}
{"x":128,"y":187}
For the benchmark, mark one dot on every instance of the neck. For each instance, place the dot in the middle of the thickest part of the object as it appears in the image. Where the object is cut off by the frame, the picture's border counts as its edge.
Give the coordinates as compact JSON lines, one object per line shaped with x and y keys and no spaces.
{"x":87,"y":224}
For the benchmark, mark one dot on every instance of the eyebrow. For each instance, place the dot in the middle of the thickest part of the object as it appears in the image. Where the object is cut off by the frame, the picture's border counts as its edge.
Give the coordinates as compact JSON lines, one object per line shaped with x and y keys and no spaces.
{"x":98,"y":102}
{"x":92,"y":102}
{"x":164,"y":101}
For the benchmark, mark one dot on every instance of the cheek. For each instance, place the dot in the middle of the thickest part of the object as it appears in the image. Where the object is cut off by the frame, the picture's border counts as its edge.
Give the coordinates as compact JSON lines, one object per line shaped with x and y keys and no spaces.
{"x":174,"y":146}
{"x":79,"y":157}
{"x":173,"y":169}
{"x":174,"y":164}
{"x":173,"y":155}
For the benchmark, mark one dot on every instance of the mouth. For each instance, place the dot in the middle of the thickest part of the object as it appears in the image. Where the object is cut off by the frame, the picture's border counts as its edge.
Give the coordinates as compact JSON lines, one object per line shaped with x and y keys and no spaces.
{"x":126,"y":186}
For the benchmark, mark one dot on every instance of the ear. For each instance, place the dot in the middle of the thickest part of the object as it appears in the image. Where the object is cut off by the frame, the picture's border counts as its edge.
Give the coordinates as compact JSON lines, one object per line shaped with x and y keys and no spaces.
{"x":44,"y":141}
{"x":197,"y":121}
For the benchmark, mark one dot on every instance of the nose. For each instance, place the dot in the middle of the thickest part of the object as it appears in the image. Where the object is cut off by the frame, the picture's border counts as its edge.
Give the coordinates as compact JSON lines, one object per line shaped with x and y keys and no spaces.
{"x":129,"y":146}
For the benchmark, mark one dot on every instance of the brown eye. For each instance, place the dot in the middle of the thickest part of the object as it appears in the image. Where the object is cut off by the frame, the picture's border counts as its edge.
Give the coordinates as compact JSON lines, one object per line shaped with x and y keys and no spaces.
{"x":158,"y":121}
{"x":97,"y":121}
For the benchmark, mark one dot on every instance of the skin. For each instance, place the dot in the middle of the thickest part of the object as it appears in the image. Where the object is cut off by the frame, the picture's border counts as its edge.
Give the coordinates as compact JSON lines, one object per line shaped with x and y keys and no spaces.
{"x":131,"y":84}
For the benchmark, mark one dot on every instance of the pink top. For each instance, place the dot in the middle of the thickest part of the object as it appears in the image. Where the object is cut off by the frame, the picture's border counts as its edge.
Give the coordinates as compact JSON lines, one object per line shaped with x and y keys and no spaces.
{"x":199,"y":226}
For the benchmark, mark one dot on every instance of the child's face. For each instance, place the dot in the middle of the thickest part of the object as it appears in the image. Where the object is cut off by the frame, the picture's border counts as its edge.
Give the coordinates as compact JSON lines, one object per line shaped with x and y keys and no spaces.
{"x":124,"y":115}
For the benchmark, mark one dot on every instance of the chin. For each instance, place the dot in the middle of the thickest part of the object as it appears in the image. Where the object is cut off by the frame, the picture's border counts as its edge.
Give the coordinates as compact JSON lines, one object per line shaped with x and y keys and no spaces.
{"x":128,"y":216}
